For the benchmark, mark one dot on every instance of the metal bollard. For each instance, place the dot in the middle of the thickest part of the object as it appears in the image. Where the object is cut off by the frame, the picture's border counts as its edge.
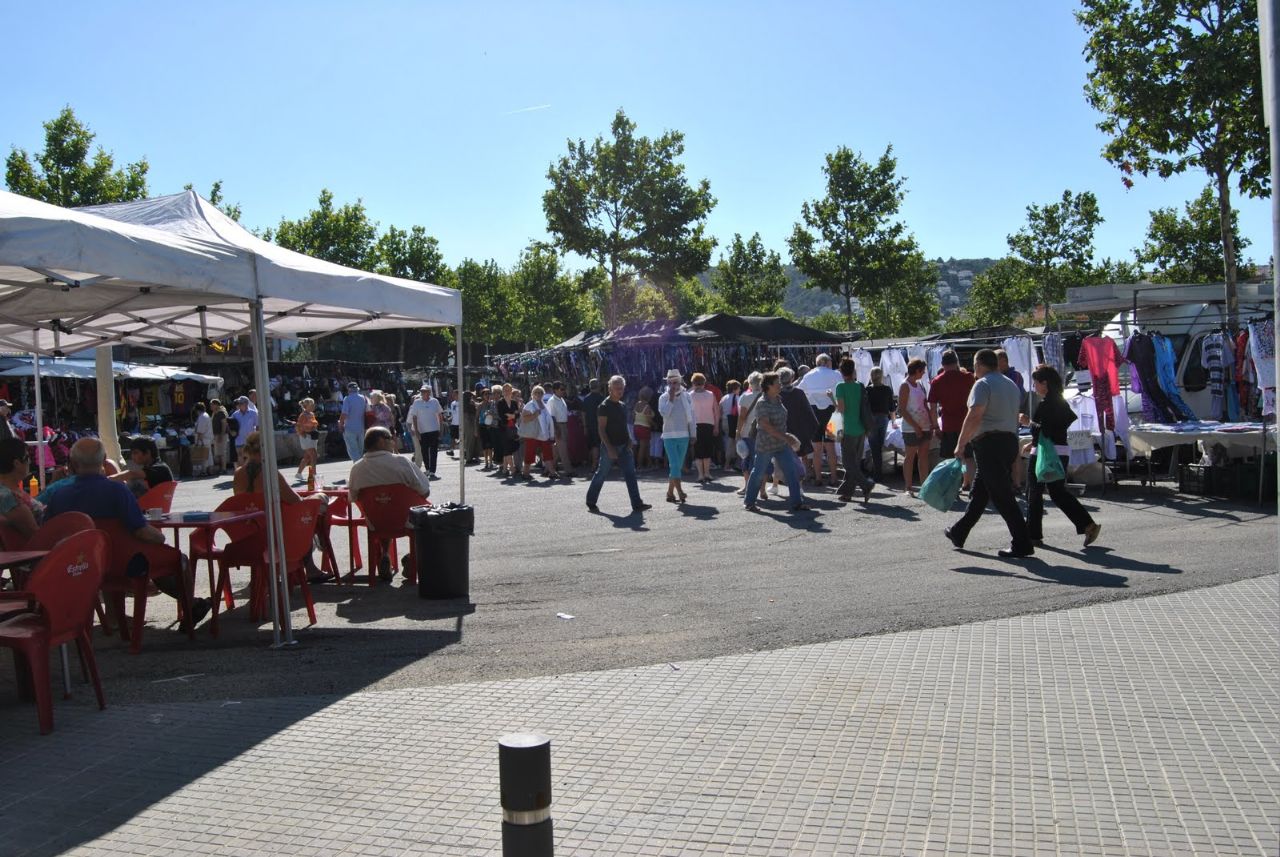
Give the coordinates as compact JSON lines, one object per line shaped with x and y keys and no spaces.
{"x":524,"y":777}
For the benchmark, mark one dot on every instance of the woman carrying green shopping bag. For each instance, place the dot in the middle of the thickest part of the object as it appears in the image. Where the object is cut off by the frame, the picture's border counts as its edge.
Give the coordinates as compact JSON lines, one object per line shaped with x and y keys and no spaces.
{"x":1049,"y":427}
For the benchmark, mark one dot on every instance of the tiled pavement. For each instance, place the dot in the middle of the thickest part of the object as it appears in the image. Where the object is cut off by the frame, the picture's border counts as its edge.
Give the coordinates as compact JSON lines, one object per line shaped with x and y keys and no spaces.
{"x":1140,"y":727}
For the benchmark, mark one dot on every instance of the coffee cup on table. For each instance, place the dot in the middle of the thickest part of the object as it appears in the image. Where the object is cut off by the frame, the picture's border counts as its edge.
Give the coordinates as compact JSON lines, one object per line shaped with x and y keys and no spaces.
{"x":155,"y":514}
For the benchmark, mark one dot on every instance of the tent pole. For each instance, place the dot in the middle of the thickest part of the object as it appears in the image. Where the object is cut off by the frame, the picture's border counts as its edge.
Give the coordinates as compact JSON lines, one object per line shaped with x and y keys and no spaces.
{"x":106,"y":383}
{"x":35,"y":373}
{"x":281,"y":622}
{"x":462,"y":450}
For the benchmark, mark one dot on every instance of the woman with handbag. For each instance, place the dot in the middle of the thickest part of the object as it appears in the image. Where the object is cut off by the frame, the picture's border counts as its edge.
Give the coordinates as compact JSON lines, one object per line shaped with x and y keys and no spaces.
{"x":308,"y":429}
{"x":916,"y":429}
{"x":1049,"y":426}
{"x":745,"y":430}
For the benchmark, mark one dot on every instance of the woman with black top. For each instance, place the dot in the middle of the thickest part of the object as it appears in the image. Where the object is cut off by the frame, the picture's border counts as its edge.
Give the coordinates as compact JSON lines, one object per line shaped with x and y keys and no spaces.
{"x":507,"y":409}
{"x":881,"y":401}
{"x":1053,"y":417}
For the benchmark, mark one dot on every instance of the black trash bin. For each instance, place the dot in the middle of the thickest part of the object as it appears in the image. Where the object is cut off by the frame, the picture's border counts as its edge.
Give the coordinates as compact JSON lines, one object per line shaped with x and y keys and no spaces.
{"x":442,"y":537}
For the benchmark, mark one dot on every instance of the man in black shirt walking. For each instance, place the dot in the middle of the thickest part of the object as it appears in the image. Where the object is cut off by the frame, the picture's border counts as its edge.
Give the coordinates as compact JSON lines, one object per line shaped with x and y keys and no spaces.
{"x":615,"y":442}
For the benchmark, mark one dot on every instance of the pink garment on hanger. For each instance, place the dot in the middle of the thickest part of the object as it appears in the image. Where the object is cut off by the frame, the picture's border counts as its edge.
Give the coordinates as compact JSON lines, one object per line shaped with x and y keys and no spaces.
{"x":1101,"y":357}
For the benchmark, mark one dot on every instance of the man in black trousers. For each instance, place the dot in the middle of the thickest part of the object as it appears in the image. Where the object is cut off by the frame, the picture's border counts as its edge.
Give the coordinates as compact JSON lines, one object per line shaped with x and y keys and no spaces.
{"x":991,"y":426}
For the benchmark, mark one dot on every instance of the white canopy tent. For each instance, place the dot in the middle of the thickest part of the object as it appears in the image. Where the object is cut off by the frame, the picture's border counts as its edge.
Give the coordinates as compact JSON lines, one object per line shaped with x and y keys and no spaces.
{"x":86,"y":370}
{"x":172,"y":273}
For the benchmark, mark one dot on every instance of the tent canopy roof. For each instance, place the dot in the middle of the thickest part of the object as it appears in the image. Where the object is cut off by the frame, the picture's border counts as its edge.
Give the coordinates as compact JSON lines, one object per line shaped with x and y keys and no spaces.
{"x":177,"y":269}
{"x":85,"y":370}
{"x":1121,"y":296}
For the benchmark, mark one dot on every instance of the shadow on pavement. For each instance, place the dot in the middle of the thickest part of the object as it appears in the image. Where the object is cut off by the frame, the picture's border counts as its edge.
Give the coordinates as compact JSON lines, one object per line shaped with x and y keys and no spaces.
{"x":1106,"y":558}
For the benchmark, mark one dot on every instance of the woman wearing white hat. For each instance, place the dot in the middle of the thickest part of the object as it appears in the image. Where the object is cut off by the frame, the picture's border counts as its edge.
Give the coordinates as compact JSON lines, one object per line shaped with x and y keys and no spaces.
{"x":677,"y":427}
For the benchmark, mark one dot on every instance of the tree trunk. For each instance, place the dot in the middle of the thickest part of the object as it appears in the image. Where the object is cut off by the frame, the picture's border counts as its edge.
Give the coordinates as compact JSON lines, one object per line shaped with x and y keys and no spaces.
{"x":611,"y":300}
{"x":1228,"y":247}
{"x":848,"y":309}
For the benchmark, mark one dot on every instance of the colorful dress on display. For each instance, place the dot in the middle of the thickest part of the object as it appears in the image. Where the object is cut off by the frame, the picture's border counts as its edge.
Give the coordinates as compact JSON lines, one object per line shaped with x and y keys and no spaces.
{"x":1166,"y":373}
{"x":1101,"y":357}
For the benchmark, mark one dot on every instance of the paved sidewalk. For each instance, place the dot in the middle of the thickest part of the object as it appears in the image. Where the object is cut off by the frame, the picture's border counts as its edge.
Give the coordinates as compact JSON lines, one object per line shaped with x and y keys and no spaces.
{"x":1138,"y":727}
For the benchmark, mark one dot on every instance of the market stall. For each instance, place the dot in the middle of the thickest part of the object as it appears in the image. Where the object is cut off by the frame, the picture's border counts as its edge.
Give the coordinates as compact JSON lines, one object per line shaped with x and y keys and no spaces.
{"x":174,"y":274}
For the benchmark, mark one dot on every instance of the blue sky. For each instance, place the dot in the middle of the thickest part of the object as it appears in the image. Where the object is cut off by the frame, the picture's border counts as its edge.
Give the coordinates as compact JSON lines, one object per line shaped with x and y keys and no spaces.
{"x":418,"y":109}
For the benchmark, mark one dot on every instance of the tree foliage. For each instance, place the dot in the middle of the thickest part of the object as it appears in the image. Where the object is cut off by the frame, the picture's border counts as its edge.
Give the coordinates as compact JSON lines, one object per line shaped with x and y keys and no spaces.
{"x":625,"y":204}
{"x":750,"y":280}
{"x":548,"y":304}
{"x":1056,"y":244}
{"x":344,"y":234}
{"x":998,"y":295}
{"x":412,"y":255}
{"x":67,"y":174}
{"x":1188,"y":249}
{"x":907,"y":305}
{"x":1178,"y":86}
{"x":850,"y":243}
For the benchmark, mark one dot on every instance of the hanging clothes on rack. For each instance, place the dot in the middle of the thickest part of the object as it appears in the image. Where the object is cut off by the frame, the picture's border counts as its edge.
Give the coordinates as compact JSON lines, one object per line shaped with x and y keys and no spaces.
{"x":1243,"y":366}
{"x":1053,"y":352}
{"x":1166,"y":373}
{"x":864,"y":362}
{"x":1140,"y":352}
{"x":1022,"y":356}
{"x":1213,"y":353}
{"x":893,"y":363}
{"x":1262,"y":337}
{"x":933,"y":357}
{"x":1101,"y":357}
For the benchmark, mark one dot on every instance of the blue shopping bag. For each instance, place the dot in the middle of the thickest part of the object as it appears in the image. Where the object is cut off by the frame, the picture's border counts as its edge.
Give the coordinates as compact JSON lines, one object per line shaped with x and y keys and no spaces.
{"x":942,"y":486}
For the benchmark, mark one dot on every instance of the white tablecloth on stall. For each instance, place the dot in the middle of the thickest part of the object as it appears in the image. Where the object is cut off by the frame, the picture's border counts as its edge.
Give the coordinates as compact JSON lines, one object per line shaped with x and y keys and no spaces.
{"x":1239,"y":439}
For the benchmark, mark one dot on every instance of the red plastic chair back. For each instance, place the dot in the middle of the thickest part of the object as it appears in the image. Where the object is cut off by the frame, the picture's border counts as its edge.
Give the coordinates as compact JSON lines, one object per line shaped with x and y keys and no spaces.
{"x":386,"y":507}
{"x":123,"y":545}
{"x":299,"y":521}
{"x":56,"y":529}
{"x":243,"y":503}
{"x":159,"y":497}
{"x":65,"y":583}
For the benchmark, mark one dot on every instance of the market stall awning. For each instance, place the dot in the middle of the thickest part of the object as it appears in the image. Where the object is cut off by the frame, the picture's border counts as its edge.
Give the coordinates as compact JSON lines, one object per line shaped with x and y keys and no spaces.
{"x":85,"y":370}
{"x":174,"y":272}
{"x":1116,"y":297}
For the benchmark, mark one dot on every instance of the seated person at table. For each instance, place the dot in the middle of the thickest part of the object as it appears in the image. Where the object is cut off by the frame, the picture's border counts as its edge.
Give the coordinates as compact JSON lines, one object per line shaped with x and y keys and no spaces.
{"x":95,"y":495}
{"x":145,"y":470}
{"x":380,"y":465}
{"x":248,"y":478}
{"x":18,"y":512}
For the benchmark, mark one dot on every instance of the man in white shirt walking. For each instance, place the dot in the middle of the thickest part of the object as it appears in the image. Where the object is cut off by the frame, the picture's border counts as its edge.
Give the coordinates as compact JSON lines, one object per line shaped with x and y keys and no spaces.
{"x":424,"y":423}
{"x":819,"y":385}
{"x":560,"y":416}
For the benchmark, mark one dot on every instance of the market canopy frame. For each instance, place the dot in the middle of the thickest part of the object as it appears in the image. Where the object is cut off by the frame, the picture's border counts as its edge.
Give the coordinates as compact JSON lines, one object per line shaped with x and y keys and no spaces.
{"x":173,"y":273}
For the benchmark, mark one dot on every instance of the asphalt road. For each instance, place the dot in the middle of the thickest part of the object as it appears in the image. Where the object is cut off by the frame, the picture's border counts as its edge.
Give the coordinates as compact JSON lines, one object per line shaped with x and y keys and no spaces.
{"x":677,"y":583}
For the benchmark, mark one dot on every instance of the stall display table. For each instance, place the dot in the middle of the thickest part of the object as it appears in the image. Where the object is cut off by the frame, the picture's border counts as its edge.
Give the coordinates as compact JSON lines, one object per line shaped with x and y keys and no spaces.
{"x":1239,"y":439}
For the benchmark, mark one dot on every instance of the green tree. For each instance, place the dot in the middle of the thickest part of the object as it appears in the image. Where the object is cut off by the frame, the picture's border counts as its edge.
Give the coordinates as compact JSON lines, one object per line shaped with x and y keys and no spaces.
{"x":1178,"y":84}
{"x":830,"y":320}
{"x":411,"y":255}
{"x":750,"y":280}
{"x":998,"y":295}
{"x":344,"y":235}
{"x":850,"y":244}
{"x":1057,"y":243}
{"x":625,"y":204}
{"x":908,"y":304}
{"x":548,"y":303}
{"x":487,"y":307}
{"x":65,"y":174}
{"x":1113,"y":271}
{"x":1188,"y":249}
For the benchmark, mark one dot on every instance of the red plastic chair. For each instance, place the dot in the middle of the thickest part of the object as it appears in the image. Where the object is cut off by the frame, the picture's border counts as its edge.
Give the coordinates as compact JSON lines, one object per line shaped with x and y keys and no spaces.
{"x":386,"y":510}
{"x":49,"y":534}
{"x":159,"y":497}
{"x":341,"y":515}
{"x":204,"y":548}
{"x":63,"y":589}
{"x":298,"y":521}
{"x":162,"y":561}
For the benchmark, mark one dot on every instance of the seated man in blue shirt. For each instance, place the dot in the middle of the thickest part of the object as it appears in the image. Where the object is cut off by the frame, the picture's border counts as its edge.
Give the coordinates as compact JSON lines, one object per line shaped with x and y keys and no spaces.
{"x":99,"y":497}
